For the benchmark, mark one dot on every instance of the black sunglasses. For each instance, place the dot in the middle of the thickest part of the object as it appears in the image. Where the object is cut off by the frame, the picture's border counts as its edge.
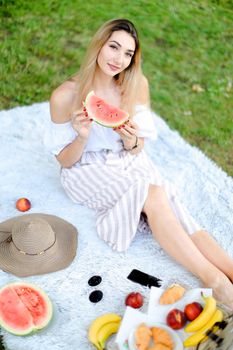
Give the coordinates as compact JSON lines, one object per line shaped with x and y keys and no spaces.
{"x":96,"y":295}
{"x":136,"y":276}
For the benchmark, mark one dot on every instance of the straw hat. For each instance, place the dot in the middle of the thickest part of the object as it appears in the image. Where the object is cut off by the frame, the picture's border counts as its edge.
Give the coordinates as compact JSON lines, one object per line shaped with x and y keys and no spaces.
{"x":35,"y":244}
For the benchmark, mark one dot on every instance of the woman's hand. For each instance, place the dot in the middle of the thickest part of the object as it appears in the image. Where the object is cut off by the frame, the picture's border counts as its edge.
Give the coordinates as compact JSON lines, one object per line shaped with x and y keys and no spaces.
{"x":128,"y":133}
{"x":81,"y":123}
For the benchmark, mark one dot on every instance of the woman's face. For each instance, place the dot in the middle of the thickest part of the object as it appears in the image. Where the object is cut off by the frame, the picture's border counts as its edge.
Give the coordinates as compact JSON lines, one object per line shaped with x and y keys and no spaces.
{"x":117,"y":52}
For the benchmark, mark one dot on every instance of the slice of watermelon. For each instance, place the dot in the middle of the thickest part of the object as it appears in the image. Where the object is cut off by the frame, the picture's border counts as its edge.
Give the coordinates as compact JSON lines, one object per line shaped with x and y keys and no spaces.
{"x":24,"y":308}
{"x":103,"y":113}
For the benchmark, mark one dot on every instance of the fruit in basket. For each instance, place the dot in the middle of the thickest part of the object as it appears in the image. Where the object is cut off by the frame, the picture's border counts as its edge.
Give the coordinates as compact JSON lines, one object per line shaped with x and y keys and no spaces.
{"x":23,"y":204}
{"x":206,"y":314}
{"x":24,"y":308}
{"x":134,"y":300}
{"x":101,"y":329}
{"x":142,"y":335}
{"x":176,"y":319}
{"x":200,"y":336}
{"x":161,"y":336}
{"x":172,"y":294}
{"x":193,"y":310}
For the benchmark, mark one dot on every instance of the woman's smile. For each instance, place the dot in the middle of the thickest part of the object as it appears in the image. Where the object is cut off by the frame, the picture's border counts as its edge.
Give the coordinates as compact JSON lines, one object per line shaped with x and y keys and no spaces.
{"x":112,"y":67}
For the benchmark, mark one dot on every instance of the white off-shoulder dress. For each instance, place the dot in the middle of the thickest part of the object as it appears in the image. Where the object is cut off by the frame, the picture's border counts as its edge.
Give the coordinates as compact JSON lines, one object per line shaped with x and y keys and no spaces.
{"x":114,"y":182}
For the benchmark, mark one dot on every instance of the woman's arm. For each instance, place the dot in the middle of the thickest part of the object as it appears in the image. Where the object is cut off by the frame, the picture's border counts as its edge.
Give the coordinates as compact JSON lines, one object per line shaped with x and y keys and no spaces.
{"x":60,"y":109}
{"x":143,"y":99}
{"x":72,"y":153}
{"x":128,"y":133}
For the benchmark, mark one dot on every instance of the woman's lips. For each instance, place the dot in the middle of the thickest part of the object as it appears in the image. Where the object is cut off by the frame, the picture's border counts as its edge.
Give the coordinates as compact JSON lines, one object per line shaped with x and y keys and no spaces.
{"x":113,"y":68}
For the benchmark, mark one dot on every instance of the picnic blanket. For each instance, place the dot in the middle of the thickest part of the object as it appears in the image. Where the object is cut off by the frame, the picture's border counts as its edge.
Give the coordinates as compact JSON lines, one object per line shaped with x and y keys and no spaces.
{"x":28,"y":170}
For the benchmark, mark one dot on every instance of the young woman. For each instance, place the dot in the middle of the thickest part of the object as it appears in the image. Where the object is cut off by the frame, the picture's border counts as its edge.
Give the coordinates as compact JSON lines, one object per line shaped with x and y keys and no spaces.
{"x":89,"y":153}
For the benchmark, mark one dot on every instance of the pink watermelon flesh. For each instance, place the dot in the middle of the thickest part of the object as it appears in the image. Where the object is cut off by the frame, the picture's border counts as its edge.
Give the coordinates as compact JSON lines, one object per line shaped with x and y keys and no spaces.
{"x":103,"y":113}
{"x":13,"y":312}
{"x":24,"y":308}
{"x":34,"y":302}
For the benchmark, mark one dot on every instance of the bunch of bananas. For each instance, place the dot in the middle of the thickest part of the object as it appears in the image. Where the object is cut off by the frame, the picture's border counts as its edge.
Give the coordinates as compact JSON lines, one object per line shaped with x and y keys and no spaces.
{"x":102,"y":328}
{"x":204,"y":322}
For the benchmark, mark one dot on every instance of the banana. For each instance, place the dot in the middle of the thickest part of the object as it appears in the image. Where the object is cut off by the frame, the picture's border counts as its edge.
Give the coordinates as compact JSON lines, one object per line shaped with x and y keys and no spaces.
{"x":217,"y":317}
{"x":98,"y":323}
{"x":105,"y":332}
{"x":204,"y":317}
{"x":199,"y":336}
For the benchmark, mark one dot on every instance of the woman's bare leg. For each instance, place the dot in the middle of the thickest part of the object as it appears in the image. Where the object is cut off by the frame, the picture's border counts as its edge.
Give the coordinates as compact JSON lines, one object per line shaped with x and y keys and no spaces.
{"x":213,"y":252}
{"x":177,"y":243}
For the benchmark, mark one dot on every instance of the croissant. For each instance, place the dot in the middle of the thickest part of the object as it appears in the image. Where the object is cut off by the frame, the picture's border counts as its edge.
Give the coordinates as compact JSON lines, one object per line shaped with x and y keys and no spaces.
{"x":172,"y":294}
{"x":161,"y":336}
{"x":142,"y":337}
{"x":159,"y":346}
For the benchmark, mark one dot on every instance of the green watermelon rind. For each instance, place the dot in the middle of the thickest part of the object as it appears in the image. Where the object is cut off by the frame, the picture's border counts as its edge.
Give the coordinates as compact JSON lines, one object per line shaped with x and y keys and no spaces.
{"x":97,"y":120}
{"x":33,"y":329}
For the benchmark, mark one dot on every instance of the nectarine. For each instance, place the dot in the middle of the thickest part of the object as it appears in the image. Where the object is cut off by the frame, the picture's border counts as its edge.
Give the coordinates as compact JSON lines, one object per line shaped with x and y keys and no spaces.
{"x":134,"y":300}
{"x":193,"y":310}
{"x":176,"y":319}
{"x":23,"y":204}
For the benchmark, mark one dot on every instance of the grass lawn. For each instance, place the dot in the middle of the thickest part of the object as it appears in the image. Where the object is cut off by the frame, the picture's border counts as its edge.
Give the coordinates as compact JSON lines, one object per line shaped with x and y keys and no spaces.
{"x":187,"y":57}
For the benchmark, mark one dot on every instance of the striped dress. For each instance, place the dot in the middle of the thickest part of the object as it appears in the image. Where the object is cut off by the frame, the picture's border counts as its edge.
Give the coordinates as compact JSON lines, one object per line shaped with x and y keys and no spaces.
{"x":114,"y":182}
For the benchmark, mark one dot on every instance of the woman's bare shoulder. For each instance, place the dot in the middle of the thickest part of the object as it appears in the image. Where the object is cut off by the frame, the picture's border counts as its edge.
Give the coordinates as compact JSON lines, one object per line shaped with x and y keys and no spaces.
{"x":61,"y":101}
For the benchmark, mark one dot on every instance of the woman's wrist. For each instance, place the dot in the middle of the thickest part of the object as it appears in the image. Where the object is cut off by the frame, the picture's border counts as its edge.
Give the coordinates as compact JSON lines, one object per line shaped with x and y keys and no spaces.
{"x":80,"y":142}
{"x":81,"y":138}
{"x":132,"y":144}
{"x":72,"y":153}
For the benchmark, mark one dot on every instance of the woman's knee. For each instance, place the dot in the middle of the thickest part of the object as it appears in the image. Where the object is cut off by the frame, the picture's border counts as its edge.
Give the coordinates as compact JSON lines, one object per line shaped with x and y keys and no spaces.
{"x":156,"y":198}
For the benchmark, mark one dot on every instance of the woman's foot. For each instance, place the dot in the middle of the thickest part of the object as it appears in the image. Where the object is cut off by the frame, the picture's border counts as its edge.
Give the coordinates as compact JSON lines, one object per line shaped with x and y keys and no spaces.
{"x":222,"y":289}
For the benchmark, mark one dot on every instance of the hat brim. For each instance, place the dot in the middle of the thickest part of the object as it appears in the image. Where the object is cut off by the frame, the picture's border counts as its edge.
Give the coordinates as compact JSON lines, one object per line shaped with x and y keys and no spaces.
{"x":58,"y":257}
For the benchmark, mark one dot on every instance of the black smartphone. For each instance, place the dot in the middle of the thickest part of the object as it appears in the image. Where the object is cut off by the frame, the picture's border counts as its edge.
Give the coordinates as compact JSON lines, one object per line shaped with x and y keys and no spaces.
{"x":144,"y":279}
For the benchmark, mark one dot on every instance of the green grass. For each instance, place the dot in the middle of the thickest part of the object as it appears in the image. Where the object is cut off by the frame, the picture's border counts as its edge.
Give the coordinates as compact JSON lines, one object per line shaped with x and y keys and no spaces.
{"x":183,"y":42}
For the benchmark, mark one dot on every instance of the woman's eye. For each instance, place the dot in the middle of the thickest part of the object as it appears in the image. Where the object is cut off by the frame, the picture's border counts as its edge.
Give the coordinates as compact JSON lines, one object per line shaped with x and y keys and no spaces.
{"x":116,"y":48}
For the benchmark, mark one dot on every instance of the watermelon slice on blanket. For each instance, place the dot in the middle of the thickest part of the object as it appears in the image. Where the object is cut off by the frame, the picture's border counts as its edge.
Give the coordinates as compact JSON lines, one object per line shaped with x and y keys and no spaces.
{"x":103,"y":113}
{"x":24,"y":308}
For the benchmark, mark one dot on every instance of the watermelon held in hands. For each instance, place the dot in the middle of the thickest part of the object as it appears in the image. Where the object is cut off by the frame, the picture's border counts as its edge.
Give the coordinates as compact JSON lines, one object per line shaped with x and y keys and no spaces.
{"x":24,"y":308}
{"x":103,"y":113}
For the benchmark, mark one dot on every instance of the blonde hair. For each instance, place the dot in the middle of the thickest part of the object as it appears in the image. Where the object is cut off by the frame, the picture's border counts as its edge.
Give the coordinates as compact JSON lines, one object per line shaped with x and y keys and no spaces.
{"x":127,"y":80}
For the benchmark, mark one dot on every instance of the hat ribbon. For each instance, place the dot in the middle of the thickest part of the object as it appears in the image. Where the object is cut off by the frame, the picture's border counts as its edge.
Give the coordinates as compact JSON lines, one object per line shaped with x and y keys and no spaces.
{"x":25,"y":253}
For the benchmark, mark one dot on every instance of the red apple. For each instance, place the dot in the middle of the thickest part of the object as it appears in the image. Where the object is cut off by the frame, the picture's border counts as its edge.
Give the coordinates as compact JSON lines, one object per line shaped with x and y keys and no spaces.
{"x":134,"y":300}
{"x":23,"y":204}
{"x":193,"y":310}
{"x":176,"y":319}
